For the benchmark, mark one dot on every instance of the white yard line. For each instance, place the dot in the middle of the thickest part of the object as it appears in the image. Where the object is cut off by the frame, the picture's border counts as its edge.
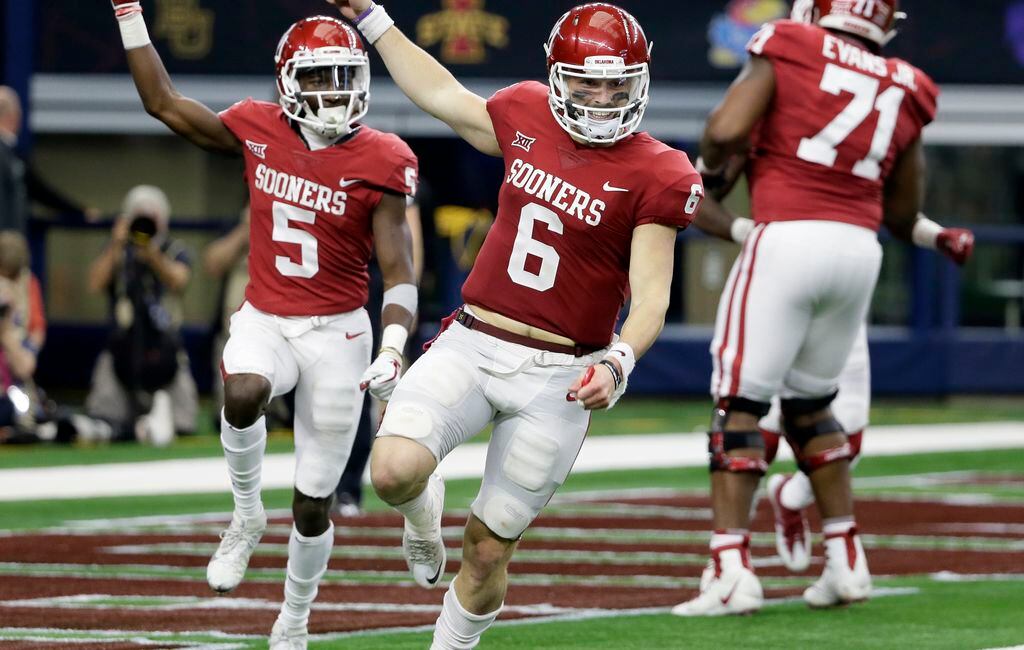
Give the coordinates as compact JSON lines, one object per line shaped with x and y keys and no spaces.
{"x":190,"y":476}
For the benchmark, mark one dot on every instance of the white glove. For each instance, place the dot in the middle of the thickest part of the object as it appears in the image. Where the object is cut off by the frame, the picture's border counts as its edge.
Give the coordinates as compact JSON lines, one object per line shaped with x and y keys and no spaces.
{"x":383,"y":374}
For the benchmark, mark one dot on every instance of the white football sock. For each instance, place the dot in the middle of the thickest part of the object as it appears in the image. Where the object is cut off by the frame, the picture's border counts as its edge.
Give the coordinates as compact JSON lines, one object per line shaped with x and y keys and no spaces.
{"x":422,"y":518}
{"x":797,"y":493}
{"x":457,"y":629}
{"x":307,"y":563}
{"x":244,"y":449}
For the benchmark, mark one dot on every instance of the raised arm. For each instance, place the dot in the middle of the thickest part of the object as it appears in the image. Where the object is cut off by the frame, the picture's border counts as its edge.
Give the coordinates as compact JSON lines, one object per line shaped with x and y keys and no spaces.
{"x":184,"y":116}
{"x":395,"y":255}
{"x":425,"y":81}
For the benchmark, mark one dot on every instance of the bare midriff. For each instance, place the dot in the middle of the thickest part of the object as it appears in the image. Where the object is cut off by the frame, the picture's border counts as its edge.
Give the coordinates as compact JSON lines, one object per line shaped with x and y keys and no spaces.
{"x":514,"y":326}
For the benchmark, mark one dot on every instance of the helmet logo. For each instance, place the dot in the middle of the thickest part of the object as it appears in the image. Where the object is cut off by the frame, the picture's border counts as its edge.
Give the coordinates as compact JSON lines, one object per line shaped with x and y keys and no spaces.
{"x":607,"y":61}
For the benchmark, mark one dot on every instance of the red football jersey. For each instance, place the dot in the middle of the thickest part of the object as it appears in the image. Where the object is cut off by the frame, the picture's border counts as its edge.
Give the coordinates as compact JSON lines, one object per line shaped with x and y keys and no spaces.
{"x":839,"y":118}
{"x":310,"y":232}
{"x":557,"y":255}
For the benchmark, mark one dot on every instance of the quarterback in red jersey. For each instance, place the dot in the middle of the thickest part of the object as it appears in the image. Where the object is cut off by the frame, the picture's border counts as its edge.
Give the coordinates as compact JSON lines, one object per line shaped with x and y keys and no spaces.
{"x":587,"y":205}
{"x":832,"y":130}
{"x":324,"y":191}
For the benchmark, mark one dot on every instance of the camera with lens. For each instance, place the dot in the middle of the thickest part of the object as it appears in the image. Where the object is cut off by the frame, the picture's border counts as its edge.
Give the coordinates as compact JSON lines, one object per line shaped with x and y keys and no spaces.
{"x":142,"y":229}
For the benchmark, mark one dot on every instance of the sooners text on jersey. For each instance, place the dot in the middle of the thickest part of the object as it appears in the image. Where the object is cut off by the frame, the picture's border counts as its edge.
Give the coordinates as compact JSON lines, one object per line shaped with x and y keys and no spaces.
{"x":839,"y":119}
{"x":557,"y":256}
{"x":311,"y":211}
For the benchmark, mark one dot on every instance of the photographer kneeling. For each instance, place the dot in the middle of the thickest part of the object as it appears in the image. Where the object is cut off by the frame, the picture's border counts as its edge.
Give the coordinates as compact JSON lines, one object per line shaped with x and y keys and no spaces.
{"x":141,"y":383}
{"x":22,"y":333}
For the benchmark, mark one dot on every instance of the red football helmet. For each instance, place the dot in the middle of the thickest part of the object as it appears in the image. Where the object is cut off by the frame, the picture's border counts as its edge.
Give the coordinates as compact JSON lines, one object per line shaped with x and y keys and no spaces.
{"x":874,"y":20}
{"x":598,"y":41}
{"x":323,"y":75}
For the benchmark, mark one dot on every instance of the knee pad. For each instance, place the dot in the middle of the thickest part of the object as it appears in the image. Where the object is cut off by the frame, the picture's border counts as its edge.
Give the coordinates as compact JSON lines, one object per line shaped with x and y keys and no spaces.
{"x":333,"y":407}
{"x":505,"y":515}
{"x":855,"y":438}
{"x":721,"y":441}
{"x":799,"y":436}
{"x":771,"y":445}
{"x":794,"y":407}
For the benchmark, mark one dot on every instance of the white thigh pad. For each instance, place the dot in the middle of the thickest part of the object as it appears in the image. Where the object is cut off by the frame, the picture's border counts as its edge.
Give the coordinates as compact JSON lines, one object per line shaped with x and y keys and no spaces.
{"x":530,"y":459}
{"x":408,"y":420}
{"x":450,"y":383}
{"x":334,"y":406}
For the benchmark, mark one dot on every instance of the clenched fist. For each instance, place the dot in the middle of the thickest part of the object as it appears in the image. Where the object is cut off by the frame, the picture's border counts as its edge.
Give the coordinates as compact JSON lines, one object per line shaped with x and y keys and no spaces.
{"x":382,"y":375}
{"x":351,"y":8}
{"x":955,"y":243}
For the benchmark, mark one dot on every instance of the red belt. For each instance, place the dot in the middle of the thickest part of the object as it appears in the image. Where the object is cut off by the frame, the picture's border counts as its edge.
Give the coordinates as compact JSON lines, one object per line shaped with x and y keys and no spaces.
{"x":474,"y":323}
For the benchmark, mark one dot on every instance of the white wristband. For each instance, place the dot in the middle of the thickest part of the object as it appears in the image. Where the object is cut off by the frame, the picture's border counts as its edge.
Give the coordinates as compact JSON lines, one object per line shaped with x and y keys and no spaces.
{"x":133,"y":31}
{"x":926,"y":232}
{"x":740,"y":229}
{"x":394,"y":337}
{"x":404,"y":295}
{"x":623,"y":353}
{"x":374,"y":22}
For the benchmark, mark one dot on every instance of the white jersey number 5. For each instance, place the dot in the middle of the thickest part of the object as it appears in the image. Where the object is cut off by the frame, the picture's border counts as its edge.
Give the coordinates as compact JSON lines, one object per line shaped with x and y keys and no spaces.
{"x":283,"y":213}
{"x":821,"y":149}
{"x":525,"y":246}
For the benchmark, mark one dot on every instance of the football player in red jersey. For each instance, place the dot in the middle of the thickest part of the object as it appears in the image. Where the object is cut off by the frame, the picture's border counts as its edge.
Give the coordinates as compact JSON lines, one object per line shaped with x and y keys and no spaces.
{"x":791,"y":494}
{"x":324,"y":191}
{"x":587,"y":205}
{"x":833,"y":131}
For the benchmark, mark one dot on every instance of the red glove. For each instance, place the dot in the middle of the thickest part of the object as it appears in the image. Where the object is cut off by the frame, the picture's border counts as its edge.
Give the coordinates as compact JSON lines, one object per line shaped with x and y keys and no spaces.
{"x":126,"y":8}
{"x":955,"y":243}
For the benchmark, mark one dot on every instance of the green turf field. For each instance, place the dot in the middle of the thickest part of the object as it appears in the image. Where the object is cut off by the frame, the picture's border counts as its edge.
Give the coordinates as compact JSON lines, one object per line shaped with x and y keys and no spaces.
{"x":631,"y":416}
{"x":917,"y":611}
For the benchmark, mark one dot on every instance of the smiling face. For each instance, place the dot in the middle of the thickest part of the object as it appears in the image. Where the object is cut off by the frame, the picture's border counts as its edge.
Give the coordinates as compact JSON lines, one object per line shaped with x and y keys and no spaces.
{"x":600,"y":93}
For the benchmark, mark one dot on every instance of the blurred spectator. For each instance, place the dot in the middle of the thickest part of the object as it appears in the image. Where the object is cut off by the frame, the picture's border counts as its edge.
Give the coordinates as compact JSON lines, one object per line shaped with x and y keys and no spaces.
{"x":22,"y":334}
{"x":19,"y":183}
{"x":141,"y":383}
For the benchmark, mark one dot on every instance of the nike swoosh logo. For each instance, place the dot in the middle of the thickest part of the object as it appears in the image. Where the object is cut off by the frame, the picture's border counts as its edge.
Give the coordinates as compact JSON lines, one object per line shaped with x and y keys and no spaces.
{"x":611,"y":188}
{"x":352,"y":336}
{"x":437,"y":575}
{"x":725,"y":601}
{"x":346,"y":183}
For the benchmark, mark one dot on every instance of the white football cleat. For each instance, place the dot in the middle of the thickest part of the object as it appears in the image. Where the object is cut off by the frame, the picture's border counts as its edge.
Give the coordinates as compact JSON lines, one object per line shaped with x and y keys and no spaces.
{"x":229,"y":562}
{"x":283,"y":637}
{"x":426,"y":558}
{"x":846,"y":578}
{"x":792,"y":533}
{"x":726,"y":590}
